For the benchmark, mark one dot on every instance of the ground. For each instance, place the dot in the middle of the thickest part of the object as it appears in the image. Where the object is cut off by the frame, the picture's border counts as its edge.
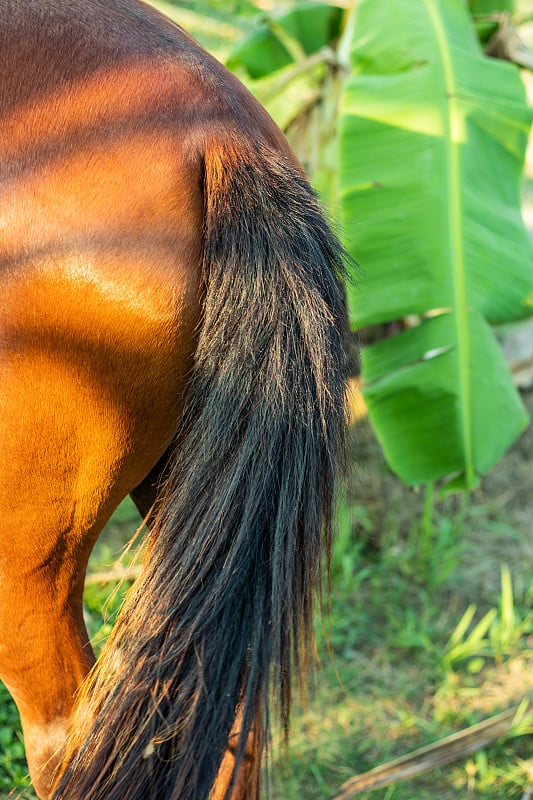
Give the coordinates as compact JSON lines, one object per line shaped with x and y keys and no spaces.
{"x":398,"y":684}
{"x":389,"y":682}
{"x":399,"y":671}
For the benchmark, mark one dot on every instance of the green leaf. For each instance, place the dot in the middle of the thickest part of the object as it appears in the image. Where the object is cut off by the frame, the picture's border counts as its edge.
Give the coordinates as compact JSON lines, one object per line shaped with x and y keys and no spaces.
{"x":462,"y":626}
{"x":487,"y":15}
{"x":462,"y":646}
{"x":433,"y":136}
{"x":216,"y":31}
{"x":284,"y":38}
{"x":289,"y":91}
{"x":434,"y":417}
{"x":487,"y":7}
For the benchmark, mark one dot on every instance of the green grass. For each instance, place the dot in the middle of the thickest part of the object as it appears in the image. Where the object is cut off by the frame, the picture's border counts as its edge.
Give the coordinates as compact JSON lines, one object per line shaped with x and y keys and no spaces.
{"x":13,"y":769}
{"x":413,"y":661}
{"x":408,"y":660}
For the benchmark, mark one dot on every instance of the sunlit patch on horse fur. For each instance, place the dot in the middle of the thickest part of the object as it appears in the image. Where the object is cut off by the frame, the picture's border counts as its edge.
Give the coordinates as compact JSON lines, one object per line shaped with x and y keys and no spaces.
{"x":246,"y":513}
{"x":172,"y":312}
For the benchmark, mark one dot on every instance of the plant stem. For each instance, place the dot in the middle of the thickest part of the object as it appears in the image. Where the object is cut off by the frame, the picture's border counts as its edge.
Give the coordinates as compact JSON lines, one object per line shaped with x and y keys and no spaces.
{"x":347,"y":27}
{"x":427,"y":523}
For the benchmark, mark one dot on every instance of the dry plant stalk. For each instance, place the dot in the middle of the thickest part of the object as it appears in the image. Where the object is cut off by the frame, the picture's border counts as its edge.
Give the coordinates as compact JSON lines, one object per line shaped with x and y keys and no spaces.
{"x":114,"y":574}
{"x":452,"y":748}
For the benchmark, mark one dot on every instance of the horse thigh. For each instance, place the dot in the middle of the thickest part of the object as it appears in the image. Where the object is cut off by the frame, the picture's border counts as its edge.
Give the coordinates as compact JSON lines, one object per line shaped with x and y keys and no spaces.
{"x":145,"y":493}
{"x":62,"y":473}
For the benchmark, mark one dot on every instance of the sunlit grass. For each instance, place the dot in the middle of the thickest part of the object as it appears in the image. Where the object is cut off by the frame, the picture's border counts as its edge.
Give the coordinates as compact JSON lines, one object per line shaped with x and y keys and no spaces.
{"x":407,"y":662}
{"x":407,"y":672}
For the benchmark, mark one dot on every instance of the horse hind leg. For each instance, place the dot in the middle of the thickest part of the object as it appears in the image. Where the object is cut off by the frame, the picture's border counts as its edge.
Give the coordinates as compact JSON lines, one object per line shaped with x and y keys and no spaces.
{"x":247,"y":781}
{"x":44,"y":649}
{"x":44,"y":657}
{"x":58,"y":487}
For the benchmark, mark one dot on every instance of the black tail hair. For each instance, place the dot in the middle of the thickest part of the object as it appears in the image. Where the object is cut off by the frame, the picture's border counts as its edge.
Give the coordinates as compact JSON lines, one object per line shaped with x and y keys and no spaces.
{"x":223,"y":608}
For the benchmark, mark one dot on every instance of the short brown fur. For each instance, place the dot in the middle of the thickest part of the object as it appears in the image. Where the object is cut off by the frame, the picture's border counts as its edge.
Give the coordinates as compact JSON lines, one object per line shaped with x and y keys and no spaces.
{"x":109,"y":114}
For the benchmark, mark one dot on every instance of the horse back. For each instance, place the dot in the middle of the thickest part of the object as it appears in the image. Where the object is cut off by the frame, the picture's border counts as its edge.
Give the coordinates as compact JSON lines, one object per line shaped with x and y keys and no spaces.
{"x":106,"y":114}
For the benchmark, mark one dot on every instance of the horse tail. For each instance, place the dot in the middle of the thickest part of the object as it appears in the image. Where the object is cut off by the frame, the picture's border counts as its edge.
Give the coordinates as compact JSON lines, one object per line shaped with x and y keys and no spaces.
{"x":222,"y":611}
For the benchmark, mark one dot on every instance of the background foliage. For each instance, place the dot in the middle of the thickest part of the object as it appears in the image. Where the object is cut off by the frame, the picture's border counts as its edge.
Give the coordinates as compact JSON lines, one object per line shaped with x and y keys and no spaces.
{"x":428,"y":136}
{"x":429,"y":632}
{"x":415,"y":139}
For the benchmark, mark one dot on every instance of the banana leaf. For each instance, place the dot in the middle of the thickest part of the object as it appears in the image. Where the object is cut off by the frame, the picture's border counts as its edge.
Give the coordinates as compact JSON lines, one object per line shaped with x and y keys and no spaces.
{"x":284,"y":38}
{"x":486,"y":8}
{"x":432,"y":143}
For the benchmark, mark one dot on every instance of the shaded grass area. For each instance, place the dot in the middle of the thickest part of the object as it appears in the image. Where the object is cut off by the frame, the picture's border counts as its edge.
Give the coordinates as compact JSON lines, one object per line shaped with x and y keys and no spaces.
{"x":408,"y":659}
{"x":13,"y":769}
{"x":426,"y":640}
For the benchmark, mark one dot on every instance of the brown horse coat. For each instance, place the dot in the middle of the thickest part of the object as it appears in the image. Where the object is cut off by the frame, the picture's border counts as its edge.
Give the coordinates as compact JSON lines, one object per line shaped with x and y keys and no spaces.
{"x":111,"y":118}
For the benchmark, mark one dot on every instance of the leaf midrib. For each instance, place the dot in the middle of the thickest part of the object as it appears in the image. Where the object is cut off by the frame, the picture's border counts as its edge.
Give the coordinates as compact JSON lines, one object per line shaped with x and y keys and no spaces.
{"x":453,"y":180}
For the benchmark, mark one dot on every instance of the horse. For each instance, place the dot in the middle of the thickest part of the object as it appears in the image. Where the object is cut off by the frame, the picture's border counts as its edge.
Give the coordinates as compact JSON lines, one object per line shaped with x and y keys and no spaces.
{"x":171,"y":328}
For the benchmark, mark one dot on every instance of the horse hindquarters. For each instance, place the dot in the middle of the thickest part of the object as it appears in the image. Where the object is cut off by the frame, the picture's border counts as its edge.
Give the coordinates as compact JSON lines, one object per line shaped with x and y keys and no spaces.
{"x":95,"y":344}
{"x":234,"y":557}
{"x":137,"y":157}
